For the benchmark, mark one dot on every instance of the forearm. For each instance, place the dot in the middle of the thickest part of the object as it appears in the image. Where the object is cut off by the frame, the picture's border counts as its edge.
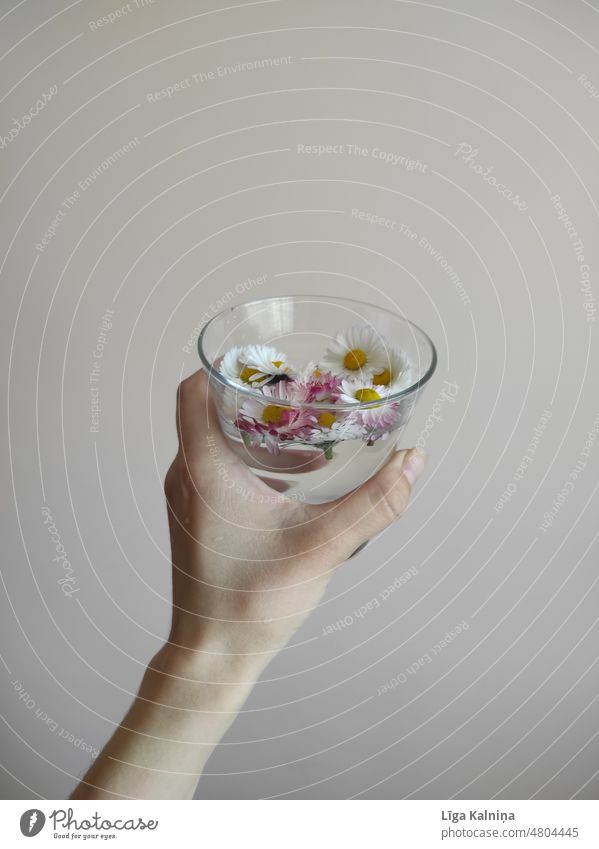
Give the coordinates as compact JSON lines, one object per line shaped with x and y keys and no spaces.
{"x":186,"y":702}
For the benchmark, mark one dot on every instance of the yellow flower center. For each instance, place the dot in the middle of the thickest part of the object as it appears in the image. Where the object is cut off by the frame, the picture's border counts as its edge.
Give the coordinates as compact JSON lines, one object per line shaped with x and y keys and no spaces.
{"x":316,"y":372}
{"x":326,"y":419}
{"x":246,"y":374}
{"x":365,"y":395}
{"x":382,"y":378}
{"x":277,"y":363}
{"x":355,"y":359}
{"x":272,"y":414}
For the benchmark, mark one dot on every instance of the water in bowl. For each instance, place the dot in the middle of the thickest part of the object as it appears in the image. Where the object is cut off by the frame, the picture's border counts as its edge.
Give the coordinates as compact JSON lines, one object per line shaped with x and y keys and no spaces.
{"x":305,"y":473}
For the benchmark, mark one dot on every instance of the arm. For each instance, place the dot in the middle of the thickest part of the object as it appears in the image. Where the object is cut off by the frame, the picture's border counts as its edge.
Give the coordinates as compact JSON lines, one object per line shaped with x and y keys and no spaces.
{"x":247,"y":572}
{"x":186,"y":703}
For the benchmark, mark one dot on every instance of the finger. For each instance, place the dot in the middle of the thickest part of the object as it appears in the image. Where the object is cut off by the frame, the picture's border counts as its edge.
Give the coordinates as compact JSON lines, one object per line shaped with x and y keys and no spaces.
{"x":196,"y":415}
{"x":380,"y":501}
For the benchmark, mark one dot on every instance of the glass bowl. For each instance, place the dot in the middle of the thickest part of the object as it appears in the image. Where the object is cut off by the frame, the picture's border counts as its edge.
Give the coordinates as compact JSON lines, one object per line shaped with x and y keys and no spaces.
{"x":322,"y":423}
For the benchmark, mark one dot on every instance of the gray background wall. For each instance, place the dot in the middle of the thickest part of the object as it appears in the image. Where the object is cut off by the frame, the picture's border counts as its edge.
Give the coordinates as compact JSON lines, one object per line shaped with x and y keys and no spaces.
{"x":215,"y":192}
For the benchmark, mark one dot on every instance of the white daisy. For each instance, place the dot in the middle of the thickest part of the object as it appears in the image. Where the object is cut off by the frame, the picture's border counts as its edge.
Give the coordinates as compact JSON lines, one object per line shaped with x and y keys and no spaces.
{"x":263,"y":362}
{"x":383,"y":416}
{"x":232,"y":365}
{"x":404,"y":379}
{"x":309,"y":372}
{"x":355,"y":351}
{"x":397,"y":374}
{"x":358,"y":390}
{"x":254,"y":365}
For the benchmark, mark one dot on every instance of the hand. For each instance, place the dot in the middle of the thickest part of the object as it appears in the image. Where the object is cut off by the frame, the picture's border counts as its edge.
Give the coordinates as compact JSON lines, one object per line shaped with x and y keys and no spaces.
{"x":249,"y":564}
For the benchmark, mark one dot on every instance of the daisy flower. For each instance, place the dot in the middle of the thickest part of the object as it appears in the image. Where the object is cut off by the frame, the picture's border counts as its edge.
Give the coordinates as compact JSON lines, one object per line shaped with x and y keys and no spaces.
{"x":396,"y":375}
{"x":231,"y":365}
{"x":266,"y":420}
{"x":355,"y":351}
{"x":360,"y":390}
{"x":254,"y":365}
{"x":383,"y":416}
{"x":334,"y":427}
{"x":309,"y":371}
{"x":318,"y":385}
{"x":264,"y":363}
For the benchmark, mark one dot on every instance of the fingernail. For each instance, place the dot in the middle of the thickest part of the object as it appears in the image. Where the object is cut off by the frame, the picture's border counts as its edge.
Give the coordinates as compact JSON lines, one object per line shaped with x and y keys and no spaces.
{"x":400,"y":456}
{"x":413,"y":464}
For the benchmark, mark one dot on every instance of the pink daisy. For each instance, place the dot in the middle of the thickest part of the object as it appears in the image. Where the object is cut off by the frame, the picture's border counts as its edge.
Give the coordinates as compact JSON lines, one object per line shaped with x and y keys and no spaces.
{"x":266,"y":421}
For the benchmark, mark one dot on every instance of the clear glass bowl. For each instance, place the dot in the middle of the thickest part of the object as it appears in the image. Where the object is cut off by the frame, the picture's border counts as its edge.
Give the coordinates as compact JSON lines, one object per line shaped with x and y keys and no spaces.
{"x":330,"y":447}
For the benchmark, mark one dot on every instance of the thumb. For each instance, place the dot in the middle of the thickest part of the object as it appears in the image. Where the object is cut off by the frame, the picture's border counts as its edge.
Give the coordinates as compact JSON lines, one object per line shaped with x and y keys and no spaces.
{"x":353,"y":519}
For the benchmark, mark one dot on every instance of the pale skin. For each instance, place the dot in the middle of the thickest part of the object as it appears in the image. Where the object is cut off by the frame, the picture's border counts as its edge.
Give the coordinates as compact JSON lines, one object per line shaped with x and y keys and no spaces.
{"x":249,"y":565}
